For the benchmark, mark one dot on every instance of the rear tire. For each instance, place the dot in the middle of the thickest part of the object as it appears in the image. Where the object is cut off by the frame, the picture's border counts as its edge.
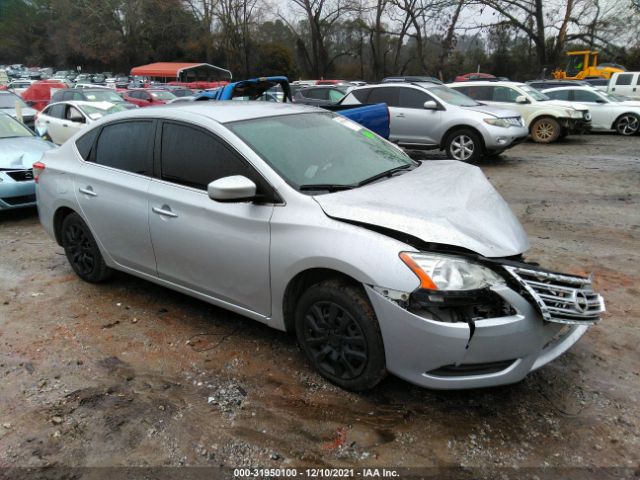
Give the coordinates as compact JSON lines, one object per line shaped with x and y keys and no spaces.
{"x":545,"y":130}
{"x":338,"y":331}
{"x":464,"y":145}
{"x":82,"y":250}
{"x":627,"y":124}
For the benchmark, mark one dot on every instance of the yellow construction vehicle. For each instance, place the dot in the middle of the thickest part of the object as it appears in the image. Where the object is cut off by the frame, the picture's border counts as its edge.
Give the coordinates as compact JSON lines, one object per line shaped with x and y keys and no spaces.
{"x":584,"y":64}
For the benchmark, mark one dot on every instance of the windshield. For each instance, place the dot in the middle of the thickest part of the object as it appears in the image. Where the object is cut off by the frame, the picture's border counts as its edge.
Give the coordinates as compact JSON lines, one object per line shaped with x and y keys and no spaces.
{"x":9,"y":101}
{"x":162,"y":95}
{"x":103,"y":96}
{"x":320,"y":149}
{"x":94,"y":111}
{"x":537,"y":95}
{"x":12,"y":128}
{"x":453,"y":97}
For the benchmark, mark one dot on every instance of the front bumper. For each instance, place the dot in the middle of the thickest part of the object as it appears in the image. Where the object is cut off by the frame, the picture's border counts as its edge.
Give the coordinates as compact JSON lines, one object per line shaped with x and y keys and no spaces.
{"x":575,"y":125}
{"x":498,"y":138}
{"x":16,"y":194}
{"x":443,"y":355}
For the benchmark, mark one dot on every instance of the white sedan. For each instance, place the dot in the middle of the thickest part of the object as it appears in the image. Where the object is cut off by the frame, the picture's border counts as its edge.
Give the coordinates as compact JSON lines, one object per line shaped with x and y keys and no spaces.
{"x":61,"y":120}
{"x":608,"y":112}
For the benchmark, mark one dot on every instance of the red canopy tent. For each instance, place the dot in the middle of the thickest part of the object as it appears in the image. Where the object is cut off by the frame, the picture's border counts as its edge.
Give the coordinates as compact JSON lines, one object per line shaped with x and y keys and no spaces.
{"x":182,"y":72}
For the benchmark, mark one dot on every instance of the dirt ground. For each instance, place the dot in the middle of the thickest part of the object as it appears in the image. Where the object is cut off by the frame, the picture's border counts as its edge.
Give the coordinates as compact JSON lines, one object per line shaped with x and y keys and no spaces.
{"x":132,"y":374}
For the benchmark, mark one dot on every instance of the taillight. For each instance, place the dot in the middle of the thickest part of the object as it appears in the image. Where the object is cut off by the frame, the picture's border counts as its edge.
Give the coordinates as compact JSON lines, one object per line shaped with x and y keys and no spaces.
{"x":38,"y":168}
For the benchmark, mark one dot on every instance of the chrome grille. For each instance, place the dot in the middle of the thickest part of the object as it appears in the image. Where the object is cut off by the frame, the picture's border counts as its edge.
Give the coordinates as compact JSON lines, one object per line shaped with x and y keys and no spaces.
{"x":560,"y":298}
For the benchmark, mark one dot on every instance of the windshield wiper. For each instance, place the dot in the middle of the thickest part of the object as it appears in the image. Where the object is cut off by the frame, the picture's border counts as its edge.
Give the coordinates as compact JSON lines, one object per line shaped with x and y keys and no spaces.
{"x":330,"y":187}
{"x":388,"y":173}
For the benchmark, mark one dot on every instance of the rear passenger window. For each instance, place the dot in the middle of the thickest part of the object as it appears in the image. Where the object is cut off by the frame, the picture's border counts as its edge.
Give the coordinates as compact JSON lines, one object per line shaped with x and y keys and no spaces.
{"x":388,"y":95}
{"x":85,"y":143}
{"x":195,"y":158}
{"x":624,"y":79}
{"x":126,"y":146}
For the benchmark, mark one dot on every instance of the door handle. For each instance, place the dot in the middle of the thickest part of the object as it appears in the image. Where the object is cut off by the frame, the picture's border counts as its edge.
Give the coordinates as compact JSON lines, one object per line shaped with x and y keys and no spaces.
{"x":47,"y":122}
{"x":165,"y":211}
{"x":88,"y":191}
{"x":400,"y":115}
{"x":65,"y":125}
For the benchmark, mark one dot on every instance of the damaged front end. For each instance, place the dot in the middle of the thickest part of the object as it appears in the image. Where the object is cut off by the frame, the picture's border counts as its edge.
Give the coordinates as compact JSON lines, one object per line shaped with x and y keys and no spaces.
{"x":520,"y":318}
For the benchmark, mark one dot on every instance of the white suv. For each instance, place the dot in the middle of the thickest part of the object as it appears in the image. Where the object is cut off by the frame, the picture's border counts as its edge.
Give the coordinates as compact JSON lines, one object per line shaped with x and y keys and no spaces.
{"x":547,"y":119}
{"x":427,"y":115}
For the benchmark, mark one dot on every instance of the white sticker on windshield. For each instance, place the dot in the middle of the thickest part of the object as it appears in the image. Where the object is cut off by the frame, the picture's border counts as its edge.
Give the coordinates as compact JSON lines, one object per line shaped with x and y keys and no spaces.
{"x":348,"y":123}
{"x":95,"y":116}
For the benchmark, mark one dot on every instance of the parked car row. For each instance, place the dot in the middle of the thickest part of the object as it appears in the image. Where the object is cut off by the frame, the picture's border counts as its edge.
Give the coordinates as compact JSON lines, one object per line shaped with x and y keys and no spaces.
{"x":441,"y":294}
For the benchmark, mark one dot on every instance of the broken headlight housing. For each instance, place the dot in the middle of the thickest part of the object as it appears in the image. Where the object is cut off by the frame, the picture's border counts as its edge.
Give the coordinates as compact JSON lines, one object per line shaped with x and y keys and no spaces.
{"x":449,"y":273}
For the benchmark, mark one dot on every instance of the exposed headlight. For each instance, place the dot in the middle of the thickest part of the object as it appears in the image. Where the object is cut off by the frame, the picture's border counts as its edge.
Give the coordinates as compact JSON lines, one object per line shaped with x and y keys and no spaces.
{"x":497,"y":122}
{"x":576,"y":114}
{"x":443,"y":272}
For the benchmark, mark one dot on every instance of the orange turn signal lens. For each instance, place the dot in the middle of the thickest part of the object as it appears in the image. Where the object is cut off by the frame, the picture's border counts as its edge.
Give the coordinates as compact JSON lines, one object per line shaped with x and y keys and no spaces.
{"x":425,"y":280}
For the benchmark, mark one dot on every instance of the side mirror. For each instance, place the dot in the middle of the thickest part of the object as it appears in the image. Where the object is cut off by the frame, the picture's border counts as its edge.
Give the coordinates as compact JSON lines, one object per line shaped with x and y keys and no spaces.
{"x":521,"y":99}
{"x":236,"y":188}
{"x":600,"y":100}
{"x":430,"y":105}
{"x":30,"y":103}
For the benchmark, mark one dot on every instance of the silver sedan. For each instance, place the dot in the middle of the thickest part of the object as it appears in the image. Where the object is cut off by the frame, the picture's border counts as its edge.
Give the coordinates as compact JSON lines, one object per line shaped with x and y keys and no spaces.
{"x":308,"y":222}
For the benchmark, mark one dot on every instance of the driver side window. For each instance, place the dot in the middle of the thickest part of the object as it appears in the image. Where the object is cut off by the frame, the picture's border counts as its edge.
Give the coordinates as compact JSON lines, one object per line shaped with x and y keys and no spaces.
{"x":584,"y":96}
{"x":194,"y":158}
{"x":74,"y":115}
{"x":504,"y":94}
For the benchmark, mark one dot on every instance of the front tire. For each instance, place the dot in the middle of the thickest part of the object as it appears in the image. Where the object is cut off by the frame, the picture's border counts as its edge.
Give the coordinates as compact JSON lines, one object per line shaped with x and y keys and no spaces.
{"x":628,"y":124}
{"x":82,"y":250}
{"x":464,"y":145}
{"x":338,"y":331}
{"x":545,"y":130}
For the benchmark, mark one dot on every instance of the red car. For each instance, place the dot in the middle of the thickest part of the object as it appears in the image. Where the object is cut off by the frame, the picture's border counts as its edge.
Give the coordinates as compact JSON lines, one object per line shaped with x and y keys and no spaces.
{"x":148,"y":96}
{"x":330,"y":82}
{"x":39,"y":93}
{"x":473,"y":76}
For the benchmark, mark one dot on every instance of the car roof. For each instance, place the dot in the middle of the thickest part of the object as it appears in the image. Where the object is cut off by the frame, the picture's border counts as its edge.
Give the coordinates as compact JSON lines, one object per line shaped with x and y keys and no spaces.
{"x":221,"y":111}
{"x":80,"y":103}
{"x":490,"y":82}
{"x":89,"y":90}
{"x":574,"y":87}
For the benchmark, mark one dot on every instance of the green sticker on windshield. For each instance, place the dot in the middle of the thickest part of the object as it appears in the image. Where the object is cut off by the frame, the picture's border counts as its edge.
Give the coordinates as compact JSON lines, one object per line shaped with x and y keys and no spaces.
{"x":368,"y":134}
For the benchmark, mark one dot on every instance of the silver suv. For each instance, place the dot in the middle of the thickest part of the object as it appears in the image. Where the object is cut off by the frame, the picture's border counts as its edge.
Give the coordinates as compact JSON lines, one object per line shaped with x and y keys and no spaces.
{"x":428,"y":115}
{"x":306,"y":221}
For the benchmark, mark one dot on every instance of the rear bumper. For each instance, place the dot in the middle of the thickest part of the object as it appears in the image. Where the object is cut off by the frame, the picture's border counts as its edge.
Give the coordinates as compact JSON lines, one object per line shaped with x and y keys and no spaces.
{"x":444,"y":355}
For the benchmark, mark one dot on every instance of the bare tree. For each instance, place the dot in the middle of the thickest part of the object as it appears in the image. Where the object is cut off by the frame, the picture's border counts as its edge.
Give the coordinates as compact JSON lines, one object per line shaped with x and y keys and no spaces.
{"x":321,"y":16}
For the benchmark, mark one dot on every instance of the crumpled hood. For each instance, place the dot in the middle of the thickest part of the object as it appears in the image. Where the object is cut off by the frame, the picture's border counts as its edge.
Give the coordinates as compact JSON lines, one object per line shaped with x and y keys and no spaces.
{"x":495,"y":111}
{"x":446,"y":202}
{"x":565,"y":104}
{"x":22,"y":152}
